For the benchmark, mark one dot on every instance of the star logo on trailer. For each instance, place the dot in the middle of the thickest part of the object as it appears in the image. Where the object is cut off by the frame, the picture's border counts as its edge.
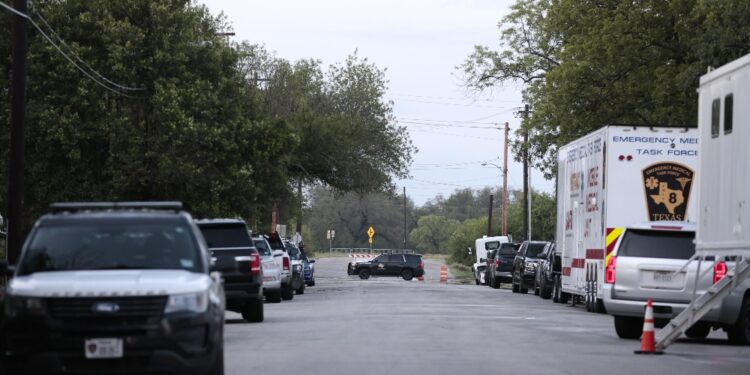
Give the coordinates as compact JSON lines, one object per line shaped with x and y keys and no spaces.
{"x":667,"y":188}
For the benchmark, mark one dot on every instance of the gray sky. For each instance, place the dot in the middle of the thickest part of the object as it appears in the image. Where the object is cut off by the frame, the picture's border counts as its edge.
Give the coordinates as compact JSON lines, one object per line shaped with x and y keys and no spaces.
{"x":420,"y":42}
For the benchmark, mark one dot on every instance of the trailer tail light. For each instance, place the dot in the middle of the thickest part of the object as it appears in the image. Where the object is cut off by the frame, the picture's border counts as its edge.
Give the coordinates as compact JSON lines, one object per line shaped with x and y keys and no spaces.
{"x":285,"y":264}
{"x":609,"y":274}
{"x":720,"y":270}
{"x":255,"y":264}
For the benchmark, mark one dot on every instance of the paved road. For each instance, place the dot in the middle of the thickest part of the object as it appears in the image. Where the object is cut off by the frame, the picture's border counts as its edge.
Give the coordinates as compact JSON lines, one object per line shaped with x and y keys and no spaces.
{"x":344,"y":325}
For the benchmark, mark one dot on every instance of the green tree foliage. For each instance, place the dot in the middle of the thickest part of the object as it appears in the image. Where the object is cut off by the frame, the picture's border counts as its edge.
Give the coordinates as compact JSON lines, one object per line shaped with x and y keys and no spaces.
{"x":351,"y":214}
{"x":205,"y":129}
{"x":432,"y":234}
{"x":589,"y":63}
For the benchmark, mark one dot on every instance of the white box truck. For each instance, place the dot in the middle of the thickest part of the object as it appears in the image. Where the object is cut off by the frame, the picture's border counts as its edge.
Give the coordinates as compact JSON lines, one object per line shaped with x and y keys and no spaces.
{"x":614,"y":177}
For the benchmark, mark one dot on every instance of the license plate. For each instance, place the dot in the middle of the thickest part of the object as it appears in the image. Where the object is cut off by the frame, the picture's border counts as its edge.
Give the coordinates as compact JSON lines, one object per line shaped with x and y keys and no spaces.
{"x":269,"y":278}
{"x":103,"y":348}
{"x":663,"y":276}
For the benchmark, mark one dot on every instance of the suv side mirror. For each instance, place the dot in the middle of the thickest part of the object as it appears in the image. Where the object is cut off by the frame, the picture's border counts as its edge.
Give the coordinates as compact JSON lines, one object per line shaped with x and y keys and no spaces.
{"x":6,"y":269}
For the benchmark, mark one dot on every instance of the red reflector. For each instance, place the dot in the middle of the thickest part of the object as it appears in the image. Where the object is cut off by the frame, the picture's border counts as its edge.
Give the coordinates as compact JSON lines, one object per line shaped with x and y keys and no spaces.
{"x":609,"y":274}
{"x":720,"y":270}
{"x":286,"y":263}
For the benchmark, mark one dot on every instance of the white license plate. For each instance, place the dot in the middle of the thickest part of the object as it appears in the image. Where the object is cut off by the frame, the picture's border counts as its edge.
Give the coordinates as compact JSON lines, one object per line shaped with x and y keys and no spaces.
{"x":663,"y":276}
{"x":103,"y":348}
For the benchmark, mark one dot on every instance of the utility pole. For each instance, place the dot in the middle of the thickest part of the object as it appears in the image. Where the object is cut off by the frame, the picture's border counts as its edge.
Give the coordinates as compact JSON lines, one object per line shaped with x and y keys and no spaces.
{"x":299,"y":213}
{"x":17,"y":139}
{"x":505,"y":183}
{"x":404,"y":247}
{"x":526,"y":179}
{"x":489,"y":220}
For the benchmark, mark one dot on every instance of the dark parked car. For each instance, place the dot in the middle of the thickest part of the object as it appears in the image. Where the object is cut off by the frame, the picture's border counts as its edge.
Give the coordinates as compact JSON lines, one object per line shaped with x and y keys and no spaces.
{"x":309,"y":270}
{"x":500,"y":268}
{"x":406,"y":266}
{"x":525,"y":264}
{"x":545,"y":278}
{"x":113,"y":287}
{"x":235,"y":256}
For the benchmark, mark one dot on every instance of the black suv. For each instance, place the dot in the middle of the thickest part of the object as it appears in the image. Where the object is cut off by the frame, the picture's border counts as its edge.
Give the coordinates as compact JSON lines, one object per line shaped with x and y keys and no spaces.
{"x":500,"y":267}
{"x":545,"y":273}
{"x":406,"y":266}
{"x":525,"y":264}
{"x":235,"y":256}
{"x":113,"y":287}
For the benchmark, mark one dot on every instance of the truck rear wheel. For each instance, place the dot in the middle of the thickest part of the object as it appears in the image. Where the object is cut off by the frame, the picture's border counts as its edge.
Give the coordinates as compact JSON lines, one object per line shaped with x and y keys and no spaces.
{"x":698,"y":331}
{"x":253,"y":310}
{"x":739,"y":333}
{"x":628,"y":327}
{"x":514,"y":286}
{"x":287,"y":293}
{"x":544,"y":290}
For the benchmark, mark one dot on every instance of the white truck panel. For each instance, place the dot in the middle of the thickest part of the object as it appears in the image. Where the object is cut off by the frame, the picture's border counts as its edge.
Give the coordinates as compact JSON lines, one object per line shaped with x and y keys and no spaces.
{"x":615,"y":177}
{"x":725,"y":196}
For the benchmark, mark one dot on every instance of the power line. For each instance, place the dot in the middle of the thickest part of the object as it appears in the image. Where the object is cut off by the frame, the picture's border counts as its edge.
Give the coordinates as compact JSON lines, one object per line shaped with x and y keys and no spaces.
{"x":448,"y":103}
{"x":448,"y":121}
{"x":456,"y":135}
{"x":449,"y":125}
{"x":87,"y":74}
{"x":451,"y":98}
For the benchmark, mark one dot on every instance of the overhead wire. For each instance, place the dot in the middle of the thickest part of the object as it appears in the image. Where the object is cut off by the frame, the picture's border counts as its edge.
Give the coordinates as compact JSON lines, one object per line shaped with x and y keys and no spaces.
{"x":59,"y":50}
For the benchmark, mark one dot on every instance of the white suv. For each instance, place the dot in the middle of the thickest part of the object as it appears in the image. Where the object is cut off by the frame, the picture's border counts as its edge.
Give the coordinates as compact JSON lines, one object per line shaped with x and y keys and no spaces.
{"x":105,"y":287}
{"x":644,"y":264}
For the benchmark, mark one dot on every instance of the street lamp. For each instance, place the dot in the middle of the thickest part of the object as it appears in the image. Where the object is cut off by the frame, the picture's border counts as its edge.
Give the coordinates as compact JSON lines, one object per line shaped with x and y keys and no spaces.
{"x":504,"y":172}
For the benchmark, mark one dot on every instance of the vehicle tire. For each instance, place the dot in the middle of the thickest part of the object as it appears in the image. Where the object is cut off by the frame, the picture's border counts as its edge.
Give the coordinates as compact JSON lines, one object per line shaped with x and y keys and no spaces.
{"x":287,"y":293}
{"x":536,"y":288}
{"x":699,"y":330}
{"x":301,"y":289}
{"x":364,"y":274}
{"x":514,"y":286}
{"x":253,"y":310}
{"x":556,"y":289}
{"x":476,"y":280}
{"x":544,"y":291}
{"x":407,"y":274}
{"x":274,"y":296}
{"x":494,"y":282}
{"x":218,"y":367}
{"x":739,"y":333}
{"x":521,"y":287}
{"x":564,"y":296}
{"x":628,"y":327}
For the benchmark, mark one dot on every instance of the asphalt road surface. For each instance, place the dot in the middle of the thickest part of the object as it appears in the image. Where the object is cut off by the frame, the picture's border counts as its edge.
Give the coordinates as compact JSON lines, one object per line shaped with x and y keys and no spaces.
{"x":345,"y":325}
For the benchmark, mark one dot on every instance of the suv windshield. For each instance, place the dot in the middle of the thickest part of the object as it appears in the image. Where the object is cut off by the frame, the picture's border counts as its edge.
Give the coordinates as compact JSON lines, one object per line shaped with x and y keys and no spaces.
{"x":218,"y":236}
{"x":657,"y":244}
{"x":535,"y":249}
{"x":116,"y":245}
{"x":509,"y":249}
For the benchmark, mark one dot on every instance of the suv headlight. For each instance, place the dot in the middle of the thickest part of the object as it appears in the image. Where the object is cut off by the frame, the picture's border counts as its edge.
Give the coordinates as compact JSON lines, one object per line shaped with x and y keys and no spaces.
{"x":191,"y":302}
{"x":16,"y":306}
{"x":531,"y":267}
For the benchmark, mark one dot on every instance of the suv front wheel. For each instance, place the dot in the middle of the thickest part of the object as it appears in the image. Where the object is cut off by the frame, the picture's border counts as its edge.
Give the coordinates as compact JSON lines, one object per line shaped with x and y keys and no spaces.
{"x":364,"y":274}
{"x":628,"y":327}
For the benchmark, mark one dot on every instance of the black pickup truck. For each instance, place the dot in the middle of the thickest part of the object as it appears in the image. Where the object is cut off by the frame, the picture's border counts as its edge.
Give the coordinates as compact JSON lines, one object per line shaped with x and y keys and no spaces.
{"x":235,"y":256}
{"x":500,"y":267}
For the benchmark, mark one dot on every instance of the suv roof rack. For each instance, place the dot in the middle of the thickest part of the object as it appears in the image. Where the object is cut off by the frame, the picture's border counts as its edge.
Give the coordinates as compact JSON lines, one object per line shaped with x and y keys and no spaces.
{"x":94,"y":206}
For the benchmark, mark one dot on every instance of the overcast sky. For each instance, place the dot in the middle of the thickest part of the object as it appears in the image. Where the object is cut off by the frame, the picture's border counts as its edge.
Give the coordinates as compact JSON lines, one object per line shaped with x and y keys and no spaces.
{"x":419,"y":42}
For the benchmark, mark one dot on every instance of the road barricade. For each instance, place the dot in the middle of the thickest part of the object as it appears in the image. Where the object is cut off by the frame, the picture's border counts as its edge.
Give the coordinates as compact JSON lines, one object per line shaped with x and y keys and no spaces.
{"x":443,"y":273}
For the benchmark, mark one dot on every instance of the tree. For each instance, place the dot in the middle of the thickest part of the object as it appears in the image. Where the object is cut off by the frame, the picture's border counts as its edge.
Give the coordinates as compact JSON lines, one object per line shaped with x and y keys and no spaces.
{"x":432,"y":234}
{"x":586,"y":64}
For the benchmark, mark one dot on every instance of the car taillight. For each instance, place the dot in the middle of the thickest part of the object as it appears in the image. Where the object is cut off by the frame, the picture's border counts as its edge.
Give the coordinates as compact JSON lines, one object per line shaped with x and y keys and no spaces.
{"x":421,"y":264}
{"x":255,"y":264}
{"x":497,"y":262}
{"x":609,"y":274}
{"x":720,"y":270}
{"x":286,"y":264}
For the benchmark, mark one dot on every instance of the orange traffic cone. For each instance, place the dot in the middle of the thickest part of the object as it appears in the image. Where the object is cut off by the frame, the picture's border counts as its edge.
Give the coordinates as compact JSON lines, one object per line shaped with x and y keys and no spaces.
{"x":443,"y":273}
{"x":648,"y":344}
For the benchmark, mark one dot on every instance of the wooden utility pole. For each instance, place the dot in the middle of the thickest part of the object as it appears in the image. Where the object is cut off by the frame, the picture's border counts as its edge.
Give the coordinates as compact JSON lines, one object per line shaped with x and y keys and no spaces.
{"x":505,"y":184}
{"x":405,"y":233}
{"x":489,"y":220}
{"x":526,"y":187}
{"x":17,"y":139}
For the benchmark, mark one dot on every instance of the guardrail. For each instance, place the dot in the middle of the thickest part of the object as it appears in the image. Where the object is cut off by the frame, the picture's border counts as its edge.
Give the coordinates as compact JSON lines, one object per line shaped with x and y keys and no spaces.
{"x":367,"y":250}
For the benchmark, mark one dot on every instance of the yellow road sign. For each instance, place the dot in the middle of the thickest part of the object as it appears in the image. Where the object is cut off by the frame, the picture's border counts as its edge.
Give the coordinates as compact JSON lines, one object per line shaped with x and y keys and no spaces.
{"x":371,"y":233}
